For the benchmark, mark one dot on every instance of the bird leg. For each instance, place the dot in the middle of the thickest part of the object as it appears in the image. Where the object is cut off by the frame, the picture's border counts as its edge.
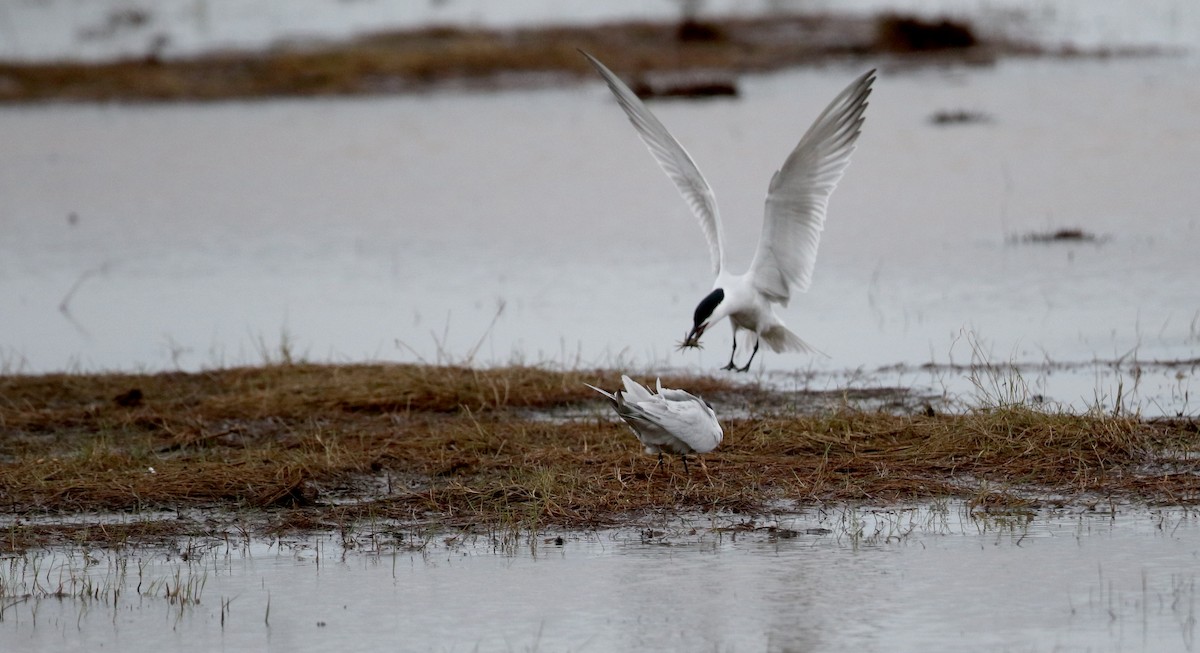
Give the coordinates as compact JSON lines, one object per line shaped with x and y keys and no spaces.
{"x":746,"y":368}
{"x":685,"y":467}
{"x":731,"y":366}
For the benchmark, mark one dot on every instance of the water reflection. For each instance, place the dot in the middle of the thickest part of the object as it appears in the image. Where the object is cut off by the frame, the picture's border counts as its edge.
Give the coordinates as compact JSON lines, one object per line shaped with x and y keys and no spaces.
{"x":902,"y":579}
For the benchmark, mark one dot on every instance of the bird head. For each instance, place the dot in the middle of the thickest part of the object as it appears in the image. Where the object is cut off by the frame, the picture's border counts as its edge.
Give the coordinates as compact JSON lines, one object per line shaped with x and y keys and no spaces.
{"x":708,"y":311}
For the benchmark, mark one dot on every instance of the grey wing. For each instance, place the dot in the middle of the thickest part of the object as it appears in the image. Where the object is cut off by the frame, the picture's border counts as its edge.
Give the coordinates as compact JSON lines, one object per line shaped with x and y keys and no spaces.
{"x":675,"y":395}
{"x":707,"y":433}
{"x":628,"y":411}
{"x":799,"y":193}
{"x":636,"y":391}
{"x":644,"y":419}
{"x":691,"y":422}
{"x":674,"y":160}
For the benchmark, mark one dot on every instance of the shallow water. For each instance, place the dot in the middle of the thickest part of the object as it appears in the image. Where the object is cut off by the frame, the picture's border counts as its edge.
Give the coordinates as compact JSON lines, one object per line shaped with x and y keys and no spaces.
{"x":929,"y":579}
{"x":531,"y":226}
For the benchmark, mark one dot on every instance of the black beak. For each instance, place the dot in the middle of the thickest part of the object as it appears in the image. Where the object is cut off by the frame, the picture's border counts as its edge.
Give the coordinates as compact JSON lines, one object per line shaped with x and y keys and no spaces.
{"x":693,"y":337}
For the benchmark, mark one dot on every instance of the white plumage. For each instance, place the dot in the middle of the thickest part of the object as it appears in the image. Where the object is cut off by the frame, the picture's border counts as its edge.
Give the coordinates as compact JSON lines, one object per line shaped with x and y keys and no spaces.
{"x":672,"y":421}
{"x":795,"y":215}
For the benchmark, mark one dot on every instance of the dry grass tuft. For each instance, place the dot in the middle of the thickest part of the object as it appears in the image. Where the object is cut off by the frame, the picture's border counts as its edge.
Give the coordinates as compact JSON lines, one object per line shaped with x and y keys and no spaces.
{"x":469,"y":447}
{"x":426,"y":58}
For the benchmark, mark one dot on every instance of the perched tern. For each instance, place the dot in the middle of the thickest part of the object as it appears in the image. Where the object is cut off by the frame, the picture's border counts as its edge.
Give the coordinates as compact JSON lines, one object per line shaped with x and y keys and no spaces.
{"x":795,"y":215}
{"x":673,"y":421}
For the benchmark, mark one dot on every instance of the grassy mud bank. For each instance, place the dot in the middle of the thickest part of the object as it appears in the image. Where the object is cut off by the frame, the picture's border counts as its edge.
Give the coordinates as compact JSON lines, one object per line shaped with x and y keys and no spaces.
{"x":436,"y":57}
{"x":293,"y":447}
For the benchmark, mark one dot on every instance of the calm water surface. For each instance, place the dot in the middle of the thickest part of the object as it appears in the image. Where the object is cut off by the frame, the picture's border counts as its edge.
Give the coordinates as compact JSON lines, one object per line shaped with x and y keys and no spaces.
{"x":531,"y":226}
{"x":921,"y":579}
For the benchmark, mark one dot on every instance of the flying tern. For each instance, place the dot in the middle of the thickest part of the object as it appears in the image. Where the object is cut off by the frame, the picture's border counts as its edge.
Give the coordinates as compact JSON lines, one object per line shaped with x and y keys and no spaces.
{"x":795,"y":215}
{"x":672,"y":421}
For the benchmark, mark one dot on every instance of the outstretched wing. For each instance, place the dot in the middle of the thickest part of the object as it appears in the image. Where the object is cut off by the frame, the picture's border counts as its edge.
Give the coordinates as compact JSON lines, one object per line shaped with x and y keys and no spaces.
{"x":674,"y":161}
{"x":799,"y":193}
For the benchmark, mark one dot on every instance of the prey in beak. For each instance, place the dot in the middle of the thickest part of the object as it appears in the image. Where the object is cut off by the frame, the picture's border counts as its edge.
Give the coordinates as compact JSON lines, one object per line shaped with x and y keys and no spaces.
{"x":692,"y":340}
{"x":702,"y":318}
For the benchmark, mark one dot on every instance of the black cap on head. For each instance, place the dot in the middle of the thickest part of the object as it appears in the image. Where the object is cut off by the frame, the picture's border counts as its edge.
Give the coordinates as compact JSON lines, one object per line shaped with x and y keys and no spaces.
{"x":707,"y":306}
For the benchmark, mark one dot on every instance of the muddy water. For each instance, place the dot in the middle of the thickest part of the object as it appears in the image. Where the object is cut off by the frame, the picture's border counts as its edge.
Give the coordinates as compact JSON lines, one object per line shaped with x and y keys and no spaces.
{"x":929,"y":579}
{"x":533,"y":227}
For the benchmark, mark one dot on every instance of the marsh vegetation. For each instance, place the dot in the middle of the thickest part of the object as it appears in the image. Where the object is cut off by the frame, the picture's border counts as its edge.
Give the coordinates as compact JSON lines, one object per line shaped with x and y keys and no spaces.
{"x":295,"y":447}
{"x":429,"y":57}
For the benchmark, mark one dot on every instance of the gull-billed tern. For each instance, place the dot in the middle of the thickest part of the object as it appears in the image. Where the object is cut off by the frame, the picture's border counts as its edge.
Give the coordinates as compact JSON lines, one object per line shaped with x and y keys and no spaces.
{"x":671,"y":421}
{"x":795,"y":215}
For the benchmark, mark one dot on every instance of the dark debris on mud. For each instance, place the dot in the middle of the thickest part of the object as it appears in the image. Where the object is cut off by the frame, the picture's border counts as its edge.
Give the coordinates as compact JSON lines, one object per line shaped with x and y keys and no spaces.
{"x":1063,"y":235}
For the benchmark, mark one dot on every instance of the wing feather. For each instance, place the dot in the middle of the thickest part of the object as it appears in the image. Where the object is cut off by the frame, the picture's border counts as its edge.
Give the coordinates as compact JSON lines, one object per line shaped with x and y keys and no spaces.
{"x":686,"y":418}
{"x":636,"y":391}
{"x":673,"y":422}
{"x":673,"y":159}
{"x":799,"y":194}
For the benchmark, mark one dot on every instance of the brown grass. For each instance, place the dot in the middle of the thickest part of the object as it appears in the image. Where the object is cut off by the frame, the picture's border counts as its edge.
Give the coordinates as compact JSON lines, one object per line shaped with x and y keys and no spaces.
{"x":415,"y":60}
{"x":482,"y":447}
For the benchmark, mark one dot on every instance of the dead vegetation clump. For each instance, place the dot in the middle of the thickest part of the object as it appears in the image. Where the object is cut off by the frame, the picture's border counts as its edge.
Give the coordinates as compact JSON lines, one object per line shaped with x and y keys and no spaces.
{"x":426,"y":58}
{"x":907,"y":34}
{"x":948,"y":117}
{"x":468,"y":447}
{"x":1064,"y":235}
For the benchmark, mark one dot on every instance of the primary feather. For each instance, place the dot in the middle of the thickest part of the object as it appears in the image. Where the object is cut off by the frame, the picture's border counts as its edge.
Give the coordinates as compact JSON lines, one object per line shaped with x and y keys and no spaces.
{"x":674,"y":160}
{"x":799,"y":193}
